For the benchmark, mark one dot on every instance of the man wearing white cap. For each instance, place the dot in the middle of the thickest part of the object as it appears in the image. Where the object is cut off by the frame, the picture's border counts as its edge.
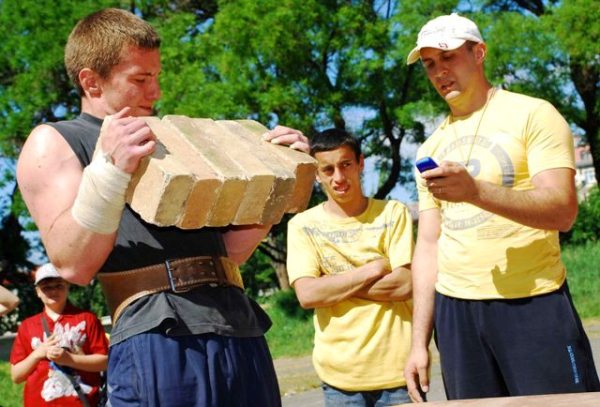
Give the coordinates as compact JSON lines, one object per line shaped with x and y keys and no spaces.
{"x":487,"y":260}
{"x":60,"y":352}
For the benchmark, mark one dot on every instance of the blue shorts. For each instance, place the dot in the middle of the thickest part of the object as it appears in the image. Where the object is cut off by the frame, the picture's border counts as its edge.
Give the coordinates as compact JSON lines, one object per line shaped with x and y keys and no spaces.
{"x":372,"y":398}
{"x":517,"y":347}
{"x":153,"y":369}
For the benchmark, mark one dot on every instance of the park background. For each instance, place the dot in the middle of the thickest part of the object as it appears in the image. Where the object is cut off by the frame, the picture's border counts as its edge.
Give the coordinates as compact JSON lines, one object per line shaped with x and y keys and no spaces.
{"x":308,"y":64}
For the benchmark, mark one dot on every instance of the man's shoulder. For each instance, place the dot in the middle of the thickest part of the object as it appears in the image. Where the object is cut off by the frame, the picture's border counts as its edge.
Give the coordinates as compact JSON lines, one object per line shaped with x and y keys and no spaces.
{"x":307,"y":215}
{"x":434,"y":139}
{"x":520,"y":100}
{"x":391,"y":207}
{"x":388,"y":203}
{"x":32,"y":319}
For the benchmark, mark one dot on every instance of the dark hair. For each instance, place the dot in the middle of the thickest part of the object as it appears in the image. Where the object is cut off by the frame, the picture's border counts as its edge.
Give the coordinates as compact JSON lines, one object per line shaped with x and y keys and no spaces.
{"x":331,"y":139}
{"x":98,"y":42}
{"x":470,"y":44}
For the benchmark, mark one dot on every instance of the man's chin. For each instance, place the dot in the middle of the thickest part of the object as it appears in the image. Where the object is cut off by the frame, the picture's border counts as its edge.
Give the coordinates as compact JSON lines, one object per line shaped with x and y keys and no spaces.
{"x":342,"y":198}
{"x":453,"y":94}
{"x":143,"y":112}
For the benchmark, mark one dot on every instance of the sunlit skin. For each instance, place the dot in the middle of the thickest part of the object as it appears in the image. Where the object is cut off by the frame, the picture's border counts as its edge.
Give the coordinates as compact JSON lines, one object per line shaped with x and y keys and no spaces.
{"x":458,"y":77}
{"x":339,"y":173}
{"x":132,"y":83}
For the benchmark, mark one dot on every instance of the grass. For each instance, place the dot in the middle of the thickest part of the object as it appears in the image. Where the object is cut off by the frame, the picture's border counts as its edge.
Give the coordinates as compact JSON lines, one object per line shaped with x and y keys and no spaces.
{"x":583,"y":274}
{"x":11,"y":395}
{"x":290,"y":335}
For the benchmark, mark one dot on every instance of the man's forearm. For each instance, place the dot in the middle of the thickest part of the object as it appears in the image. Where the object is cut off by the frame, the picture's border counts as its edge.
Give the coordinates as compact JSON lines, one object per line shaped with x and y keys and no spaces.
{"x":329,"y":290}
{"x":551,"y":203}
{"x":241,"y":241}
{"x":396,"y":286}
{"x":423,"y":306}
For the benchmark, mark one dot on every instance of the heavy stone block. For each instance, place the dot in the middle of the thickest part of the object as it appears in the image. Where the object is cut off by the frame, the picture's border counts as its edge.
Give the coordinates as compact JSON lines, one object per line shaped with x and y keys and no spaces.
{"x":261,"y":178}
{"x":158,"y":190}
{"x":207,"y":173}
{"x":302,"y":165}
{"x":207,"y":184}
{"x":277,"y":200}
{"x":234,"y":177}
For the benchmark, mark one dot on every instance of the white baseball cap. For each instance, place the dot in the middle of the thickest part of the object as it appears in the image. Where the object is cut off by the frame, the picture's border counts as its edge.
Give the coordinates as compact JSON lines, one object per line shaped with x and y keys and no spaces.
{"x":445,"y":32}
{"x":46,"y":271}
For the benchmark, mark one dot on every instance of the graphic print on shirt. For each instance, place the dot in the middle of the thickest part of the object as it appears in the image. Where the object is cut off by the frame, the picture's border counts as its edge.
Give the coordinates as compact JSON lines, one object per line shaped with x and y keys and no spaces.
{"x":338,"y":259}
{"x":57,"y":385}
{"x":486,"y":153}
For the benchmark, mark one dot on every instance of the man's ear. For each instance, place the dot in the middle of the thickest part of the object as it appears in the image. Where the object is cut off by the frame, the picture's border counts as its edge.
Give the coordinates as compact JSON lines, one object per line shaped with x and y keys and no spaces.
{"x":90,"y":83}
{"x":480,"y":51}
{"x":361,"y":162}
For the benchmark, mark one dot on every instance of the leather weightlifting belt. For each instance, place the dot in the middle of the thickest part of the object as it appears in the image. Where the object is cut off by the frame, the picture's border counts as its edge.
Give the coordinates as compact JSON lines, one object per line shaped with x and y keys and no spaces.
{"x":180,"y":275}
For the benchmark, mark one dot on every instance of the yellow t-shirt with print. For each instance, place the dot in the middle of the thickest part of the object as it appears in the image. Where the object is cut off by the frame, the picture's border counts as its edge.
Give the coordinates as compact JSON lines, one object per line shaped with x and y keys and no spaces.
{"x":359,"y":344}
{"x":482,"y":255}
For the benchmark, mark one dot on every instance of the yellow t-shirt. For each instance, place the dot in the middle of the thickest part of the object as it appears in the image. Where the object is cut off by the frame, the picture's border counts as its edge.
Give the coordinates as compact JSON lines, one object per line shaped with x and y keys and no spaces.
{"x":482,"y":255}
{"x":359,"y":344}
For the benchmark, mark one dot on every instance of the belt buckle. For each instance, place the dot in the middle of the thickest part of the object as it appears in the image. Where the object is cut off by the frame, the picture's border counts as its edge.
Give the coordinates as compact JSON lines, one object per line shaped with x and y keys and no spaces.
{"x":170,"y":279}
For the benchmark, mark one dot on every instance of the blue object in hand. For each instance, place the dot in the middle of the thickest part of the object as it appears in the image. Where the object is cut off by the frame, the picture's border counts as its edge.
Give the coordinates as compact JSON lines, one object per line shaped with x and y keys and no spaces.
{"x":425,"y":164}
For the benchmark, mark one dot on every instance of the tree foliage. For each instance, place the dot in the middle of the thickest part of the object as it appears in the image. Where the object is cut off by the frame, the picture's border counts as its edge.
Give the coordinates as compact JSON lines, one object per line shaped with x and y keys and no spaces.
{"x":308,"y":64}
{"x":587,"y":224}
{"x":550,"y":49}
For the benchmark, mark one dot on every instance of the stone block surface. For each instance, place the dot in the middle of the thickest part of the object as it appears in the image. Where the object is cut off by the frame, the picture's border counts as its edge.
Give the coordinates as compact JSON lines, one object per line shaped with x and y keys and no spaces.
{"x":302,"y":165}
{"x":216,"y":173}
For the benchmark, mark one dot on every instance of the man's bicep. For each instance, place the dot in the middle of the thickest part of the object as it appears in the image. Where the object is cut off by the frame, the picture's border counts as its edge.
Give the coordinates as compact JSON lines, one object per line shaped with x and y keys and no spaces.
{"x":562,"y":178}
{"x":302,"y":255}
{"x":561,"y":184}
{"x":48,"y":175}
{"x":401,"y":244}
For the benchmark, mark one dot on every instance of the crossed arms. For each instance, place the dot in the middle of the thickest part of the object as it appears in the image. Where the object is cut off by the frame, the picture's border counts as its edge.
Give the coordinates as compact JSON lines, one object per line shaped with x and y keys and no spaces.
{"x":374,"y":281}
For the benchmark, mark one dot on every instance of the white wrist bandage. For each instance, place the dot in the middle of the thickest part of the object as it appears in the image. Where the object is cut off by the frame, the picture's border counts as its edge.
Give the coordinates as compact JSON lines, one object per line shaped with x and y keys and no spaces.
{"x":101,"y":198}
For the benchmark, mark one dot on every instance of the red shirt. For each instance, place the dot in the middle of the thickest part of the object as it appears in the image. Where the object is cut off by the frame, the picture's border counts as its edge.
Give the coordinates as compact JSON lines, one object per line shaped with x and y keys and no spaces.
{"x":79,"y":332}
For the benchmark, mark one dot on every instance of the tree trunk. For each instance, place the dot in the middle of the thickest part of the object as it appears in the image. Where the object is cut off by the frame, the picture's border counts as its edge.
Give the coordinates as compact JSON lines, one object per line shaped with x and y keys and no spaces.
{"x":282,"y":276}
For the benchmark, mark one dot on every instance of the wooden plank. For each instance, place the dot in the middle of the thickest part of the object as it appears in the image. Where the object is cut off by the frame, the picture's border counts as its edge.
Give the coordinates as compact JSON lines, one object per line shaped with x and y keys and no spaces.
{"x":159,"y":189}
{"x":548,"y":400}
{"x":207,"y":173}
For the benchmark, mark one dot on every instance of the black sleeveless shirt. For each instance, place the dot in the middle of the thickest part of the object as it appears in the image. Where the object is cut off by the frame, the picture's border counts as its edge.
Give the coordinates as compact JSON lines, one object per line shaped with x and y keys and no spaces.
{"x":220,"y":310}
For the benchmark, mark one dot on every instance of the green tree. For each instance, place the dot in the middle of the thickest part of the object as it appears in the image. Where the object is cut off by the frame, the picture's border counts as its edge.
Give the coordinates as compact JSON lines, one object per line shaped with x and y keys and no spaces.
{"x":550,"y":49}
{"x":308,"y":64}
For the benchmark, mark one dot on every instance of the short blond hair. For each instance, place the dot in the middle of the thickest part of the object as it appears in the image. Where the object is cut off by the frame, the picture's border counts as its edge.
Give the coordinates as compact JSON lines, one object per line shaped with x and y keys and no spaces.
{"x":97,"y":41}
